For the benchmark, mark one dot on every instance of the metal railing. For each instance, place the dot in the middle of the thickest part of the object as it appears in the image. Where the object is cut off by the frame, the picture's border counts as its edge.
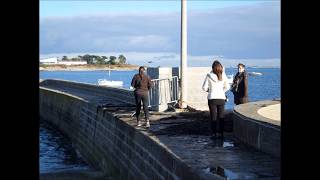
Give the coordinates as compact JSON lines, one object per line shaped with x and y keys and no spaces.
{"x":164,"y":91}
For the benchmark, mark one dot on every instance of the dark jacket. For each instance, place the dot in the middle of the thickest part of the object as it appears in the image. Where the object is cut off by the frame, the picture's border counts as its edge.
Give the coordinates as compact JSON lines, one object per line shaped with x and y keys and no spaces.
{"x":142,"y":83}
{"x":240,"y":85}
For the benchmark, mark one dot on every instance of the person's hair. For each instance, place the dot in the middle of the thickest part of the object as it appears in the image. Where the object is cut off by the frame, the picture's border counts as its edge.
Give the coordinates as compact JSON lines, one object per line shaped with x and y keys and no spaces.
{"x":141,"y":68}
{"x":217,"y":69}
{"x":242,"y":65}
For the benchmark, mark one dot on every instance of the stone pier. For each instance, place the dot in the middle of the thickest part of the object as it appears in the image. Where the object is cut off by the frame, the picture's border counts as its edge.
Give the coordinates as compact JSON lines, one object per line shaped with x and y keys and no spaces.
{"x":177,"y":146}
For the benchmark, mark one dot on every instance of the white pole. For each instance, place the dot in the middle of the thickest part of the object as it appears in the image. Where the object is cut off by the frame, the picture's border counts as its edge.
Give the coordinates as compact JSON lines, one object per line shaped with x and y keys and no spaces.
{"x":183,"y":55}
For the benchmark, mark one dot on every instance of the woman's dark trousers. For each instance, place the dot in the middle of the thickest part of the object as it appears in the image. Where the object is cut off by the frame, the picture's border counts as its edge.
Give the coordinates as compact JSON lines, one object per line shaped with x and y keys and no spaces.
{"x":145,"y":99}
{"x":216,"y":107}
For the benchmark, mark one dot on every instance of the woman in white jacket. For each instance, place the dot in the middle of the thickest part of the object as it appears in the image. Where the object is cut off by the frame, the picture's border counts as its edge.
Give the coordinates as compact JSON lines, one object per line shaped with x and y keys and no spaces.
{"x":216,"y":85}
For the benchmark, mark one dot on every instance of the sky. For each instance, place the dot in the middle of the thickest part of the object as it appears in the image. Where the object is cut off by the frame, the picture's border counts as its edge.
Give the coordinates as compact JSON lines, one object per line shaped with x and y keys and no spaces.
{"x":247,"y":30}
{"x":49,"y":8}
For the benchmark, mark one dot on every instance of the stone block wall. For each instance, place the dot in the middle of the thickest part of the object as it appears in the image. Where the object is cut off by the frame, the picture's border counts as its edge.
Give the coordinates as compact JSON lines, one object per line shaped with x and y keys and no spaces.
{"x":109,"y":143}
{"x":262,"y":136}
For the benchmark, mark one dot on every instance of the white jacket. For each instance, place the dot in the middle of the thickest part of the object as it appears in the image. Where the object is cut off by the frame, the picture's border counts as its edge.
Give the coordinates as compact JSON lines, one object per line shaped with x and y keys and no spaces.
{"x":216,"y":89}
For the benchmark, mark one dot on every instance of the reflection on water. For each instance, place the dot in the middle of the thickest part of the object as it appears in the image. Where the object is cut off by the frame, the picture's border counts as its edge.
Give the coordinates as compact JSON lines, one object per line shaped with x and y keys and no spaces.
{"x":230,"y":175}
{"x":227,"y":144}
{"x":56,"y":151}
{"x":224,"y":143}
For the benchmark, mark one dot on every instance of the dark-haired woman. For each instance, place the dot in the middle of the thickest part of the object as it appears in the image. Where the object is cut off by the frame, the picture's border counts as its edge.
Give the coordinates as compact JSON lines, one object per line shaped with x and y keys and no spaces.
{"x":142,"y":83}
{"x":216,"y":85}
{"x":239,"y":86}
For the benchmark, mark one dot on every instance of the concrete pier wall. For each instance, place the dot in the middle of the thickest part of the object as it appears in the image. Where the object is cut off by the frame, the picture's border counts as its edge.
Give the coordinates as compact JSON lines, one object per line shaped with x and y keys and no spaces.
{"x":105,"y":141}
{"x":255,"y":130}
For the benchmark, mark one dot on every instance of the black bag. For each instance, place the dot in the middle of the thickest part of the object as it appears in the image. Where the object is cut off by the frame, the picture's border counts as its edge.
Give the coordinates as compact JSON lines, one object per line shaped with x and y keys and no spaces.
{"x":235,"y":84}
{"x":234,"y":88}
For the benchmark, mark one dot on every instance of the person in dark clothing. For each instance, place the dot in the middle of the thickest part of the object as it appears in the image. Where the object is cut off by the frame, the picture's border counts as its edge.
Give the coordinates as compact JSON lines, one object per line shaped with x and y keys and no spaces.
{"x":239,"y":86}
{"x":142,"y":83}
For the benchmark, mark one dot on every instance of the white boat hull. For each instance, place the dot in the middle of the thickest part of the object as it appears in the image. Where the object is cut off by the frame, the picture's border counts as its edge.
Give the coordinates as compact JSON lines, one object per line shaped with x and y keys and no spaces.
{"x":254,"y":74}
{"x":104,"y":82}
{"x":230,"y":79}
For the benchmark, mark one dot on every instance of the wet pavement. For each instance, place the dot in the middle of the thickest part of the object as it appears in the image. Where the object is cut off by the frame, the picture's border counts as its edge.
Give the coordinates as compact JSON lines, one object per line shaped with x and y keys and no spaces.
{"x":203,"y":153}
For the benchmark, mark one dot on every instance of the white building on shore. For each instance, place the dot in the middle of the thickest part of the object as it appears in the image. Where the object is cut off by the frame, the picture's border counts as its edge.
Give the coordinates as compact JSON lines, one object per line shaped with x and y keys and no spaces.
{"x":55,"y":60}
{"x":72,"y":62}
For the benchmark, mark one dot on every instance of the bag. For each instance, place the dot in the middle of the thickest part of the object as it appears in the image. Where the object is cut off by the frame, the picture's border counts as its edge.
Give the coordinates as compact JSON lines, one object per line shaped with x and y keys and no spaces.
{"x":234,"y":88}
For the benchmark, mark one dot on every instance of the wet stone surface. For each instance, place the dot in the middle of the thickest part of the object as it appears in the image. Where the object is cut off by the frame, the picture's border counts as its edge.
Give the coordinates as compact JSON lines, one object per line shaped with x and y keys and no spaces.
{"x":189,"y":138}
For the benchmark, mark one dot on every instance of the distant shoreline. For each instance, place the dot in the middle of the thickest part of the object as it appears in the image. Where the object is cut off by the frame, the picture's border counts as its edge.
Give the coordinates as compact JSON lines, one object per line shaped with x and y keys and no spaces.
{"x":123,"y":67}
{"x":90,"y":67}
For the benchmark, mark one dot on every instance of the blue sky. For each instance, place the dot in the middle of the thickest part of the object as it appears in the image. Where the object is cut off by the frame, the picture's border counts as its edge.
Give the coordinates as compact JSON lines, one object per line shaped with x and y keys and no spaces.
{"x":229,"y":29}
{"x":73,"y":8}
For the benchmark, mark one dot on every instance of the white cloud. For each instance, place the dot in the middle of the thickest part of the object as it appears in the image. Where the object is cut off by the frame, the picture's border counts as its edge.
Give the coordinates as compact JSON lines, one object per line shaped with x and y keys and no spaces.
{"x":251,"y":32}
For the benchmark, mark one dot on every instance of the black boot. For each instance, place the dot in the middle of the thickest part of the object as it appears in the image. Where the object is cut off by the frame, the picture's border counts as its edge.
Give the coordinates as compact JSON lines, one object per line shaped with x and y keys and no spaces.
{"x":213,"y":129}
{"x":220,"y":135}
{"x":221,"y":127}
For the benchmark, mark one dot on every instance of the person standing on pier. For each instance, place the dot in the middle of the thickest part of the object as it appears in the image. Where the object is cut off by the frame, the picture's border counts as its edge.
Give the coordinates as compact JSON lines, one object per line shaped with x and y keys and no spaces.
{"x":239,"y":86}
{"x":216,"y":85}
{"x":142,"y":84}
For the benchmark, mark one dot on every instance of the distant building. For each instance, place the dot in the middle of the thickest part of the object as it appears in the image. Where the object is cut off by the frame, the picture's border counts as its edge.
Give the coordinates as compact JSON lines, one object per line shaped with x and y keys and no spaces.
{"x":72,"y":62}
{"x":53,"y":60}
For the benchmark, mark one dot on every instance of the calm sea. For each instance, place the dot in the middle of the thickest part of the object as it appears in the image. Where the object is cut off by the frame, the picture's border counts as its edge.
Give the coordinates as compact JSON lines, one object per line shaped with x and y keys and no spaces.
{"x":262,"y":87}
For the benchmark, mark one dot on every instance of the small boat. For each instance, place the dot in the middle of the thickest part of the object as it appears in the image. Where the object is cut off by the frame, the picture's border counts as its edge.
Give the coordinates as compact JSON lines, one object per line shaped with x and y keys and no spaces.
{"x":254,"y":74}
{"x":104,"y":82}
{"x":230,"y":79}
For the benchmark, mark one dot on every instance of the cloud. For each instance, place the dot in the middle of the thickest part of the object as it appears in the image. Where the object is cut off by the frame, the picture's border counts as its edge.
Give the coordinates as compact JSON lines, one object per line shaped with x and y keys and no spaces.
{"x":147,"y":41}
{"x":237,"y":32}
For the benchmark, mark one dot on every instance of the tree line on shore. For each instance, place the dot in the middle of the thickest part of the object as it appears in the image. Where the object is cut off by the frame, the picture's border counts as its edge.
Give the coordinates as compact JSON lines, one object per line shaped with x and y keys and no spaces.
{"x":94,"y":59}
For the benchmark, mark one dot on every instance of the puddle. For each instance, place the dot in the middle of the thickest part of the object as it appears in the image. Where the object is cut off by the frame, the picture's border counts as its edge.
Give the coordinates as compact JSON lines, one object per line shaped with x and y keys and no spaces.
{"x":228,"y":174}
{"x":207,"y":170}
{"x":224,"y":143}
{"x":227,"y":144}
{"x":265,"y":175}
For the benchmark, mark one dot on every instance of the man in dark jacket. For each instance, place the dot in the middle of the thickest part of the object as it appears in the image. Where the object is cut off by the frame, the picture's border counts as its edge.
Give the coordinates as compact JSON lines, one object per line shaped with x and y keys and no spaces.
{"x":239,"y":87}
{"x":142,"y":83}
